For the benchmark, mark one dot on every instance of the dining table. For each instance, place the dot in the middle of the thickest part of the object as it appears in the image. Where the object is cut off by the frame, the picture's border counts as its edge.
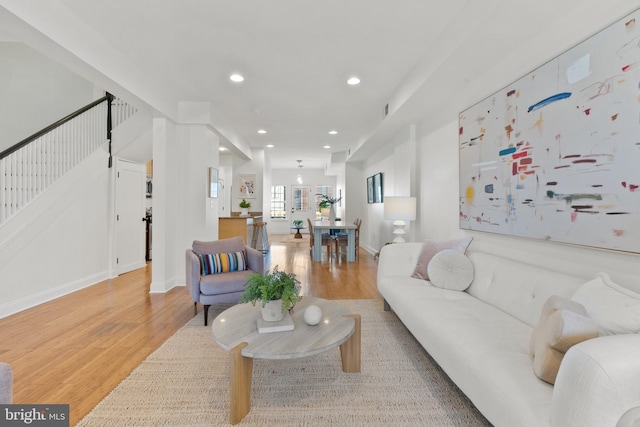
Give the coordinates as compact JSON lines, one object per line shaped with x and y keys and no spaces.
{"x":321,"y":226}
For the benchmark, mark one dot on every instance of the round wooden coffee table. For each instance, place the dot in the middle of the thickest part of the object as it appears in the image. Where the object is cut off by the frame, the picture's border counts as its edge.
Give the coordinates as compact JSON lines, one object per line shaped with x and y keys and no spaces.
{"x":236,"y":330}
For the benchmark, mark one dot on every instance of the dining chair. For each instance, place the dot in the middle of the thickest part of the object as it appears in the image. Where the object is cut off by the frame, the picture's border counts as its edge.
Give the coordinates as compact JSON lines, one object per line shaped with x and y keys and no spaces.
{"x":342,"y":239}
{"x":327,"y":240}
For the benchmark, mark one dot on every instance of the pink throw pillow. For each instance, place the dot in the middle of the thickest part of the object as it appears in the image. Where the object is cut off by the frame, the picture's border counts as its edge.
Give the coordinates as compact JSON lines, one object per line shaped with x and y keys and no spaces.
{"x":432,"y":247}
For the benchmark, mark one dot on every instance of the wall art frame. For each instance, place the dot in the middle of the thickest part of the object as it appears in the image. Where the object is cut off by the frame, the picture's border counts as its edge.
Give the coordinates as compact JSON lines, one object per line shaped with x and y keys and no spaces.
{"x":378,"y":191}
{"x":213,"y":183}
{"x":247,"y":186}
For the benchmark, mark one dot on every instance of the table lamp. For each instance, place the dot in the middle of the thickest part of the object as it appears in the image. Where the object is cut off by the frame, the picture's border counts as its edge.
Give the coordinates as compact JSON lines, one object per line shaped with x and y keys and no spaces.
{"x":399,"y":209}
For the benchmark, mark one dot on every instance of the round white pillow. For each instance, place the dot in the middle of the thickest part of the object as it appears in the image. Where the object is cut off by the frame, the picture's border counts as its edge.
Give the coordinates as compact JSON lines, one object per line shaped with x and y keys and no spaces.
{"x":450,"y":269}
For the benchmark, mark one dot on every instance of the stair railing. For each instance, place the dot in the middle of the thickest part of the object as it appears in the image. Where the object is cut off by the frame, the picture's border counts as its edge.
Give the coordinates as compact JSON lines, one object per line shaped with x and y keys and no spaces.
{"x":29,"y":167}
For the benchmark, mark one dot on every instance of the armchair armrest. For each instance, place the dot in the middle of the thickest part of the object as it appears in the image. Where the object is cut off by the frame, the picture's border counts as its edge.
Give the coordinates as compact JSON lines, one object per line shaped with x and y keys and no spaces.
{"x":255,"y":260}
{"x":598,"y":382}
{"x":193,"y":274}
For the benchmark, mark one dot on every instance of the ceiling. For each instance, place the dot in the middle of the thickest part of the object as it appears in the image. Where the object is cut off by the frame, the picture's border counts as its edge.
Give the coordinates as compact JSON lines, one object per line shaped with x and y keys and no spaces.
{"x":426,"y":59}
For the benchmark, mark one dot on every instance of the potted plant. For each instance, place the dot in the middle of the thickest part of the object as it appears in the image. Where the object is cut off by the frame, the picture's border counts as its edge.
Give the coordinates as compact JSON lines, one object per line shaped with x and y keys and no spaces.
{"x":297,"y":223}
{"x":244,"y":207}
{"x":277,"y":291}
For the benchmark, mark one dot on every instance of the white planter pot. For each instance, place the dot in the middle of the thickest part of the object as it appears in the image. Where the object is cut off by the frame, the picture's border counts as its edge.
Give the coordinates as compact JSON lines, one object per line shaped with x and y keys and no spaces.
{"x":272,"y":311}
{"x":244,"y":211}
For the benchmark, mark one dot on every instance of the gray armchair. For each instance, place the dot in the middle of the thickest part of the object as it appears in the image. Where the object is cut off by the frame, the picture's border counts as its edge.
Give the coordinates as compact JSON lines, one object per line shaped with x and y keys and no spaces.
{"x":221,"y":287}
{"x":6,"y":384}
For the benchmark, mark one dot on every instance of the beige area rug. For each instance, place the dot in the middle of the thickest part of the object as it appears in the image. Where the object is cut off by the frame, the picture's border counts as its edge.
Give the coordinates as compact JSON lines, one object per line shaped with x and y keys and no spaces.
{"x":289,"y":239}
{"x":185,"y":383}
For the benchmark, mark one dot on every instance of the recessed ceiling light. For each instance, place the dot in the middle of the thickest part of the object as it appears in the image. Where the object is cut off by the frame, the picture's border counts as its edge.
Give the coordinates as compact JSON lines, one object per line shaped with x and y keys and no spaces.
{"x":333,"y":132}
{"x":262,"y":131}
{"x":236,"y":78}
{"x":327,"y":146}
{"x":270,"y":145}
{"x":222,"y":149}
{"x":353,"y":81}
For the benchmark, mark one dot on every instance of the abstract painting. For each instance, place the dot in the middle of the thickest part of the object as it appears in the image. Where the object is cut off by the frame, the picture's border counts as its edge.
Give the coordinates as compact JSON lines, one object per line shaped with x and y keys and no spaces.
{"x":247,"y":186}
{"x":556,"y":154}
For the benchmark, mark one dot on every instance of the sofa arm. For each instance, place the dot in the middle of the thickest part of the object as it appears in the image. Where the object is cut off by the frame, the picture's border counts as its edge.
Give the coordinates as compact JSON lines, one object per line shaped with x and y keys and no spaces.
{"x":399,"y":259}
{"x":193,"y":274}
{"x":6,"y":384}
{"x":598,"y":382}
{"x":255,"y":260}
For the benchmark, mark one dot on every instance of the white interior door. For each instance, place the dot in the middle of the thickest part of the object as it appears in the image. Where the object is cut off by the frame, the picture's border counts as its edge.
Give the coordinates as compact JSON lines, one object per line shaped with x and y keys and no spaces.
{"x":130,"y":211}
{"x":301,"y":205}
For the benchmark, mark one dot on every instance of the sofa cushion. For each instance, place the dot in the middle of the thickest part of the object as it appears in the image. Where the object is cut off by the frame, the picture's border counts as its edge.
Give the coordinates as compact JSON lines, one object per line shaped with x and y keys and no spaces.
{"x":559,"y":329}
{"x":432,"y":247}
{"x":223,"y":262}
{"x":450,"y":269}
{"x":615,"y":309}
{"x":518,"y":288}
{"x":218,"y":284}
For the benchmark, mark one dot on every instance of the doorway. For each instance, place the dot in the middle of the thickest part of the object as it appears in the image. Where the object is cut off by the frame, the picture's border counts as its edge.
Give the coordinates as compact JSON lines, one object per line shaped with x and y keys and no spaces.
{"x":301,"y":204}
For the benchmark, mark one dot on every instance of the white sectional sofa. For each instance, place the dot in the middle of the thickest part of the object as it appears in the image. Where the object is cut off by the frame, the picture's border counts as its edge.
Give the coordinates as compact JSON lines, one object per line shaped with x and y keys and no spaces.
{"x":481,"y":336}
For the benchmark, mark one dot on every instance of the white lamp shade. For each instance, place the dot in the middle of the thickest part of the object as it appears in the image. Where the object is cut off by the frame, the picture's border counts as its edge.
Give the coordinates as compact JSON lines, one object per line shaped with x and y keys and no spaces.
{"x":402,"y":208}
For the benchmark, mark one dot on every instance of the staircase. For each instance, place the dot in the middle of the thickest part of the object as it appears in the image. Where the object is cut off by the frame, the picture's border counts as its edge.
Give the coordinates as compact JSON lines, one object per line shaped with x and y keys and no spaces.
{"x":28,"y":168}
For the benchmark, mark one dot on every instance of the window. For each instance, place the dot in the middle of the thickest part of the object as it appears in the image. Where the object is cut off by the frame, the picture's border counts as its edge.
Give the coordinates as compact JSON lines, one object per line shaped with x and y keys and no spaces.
{"x":326,"y":190}
{"x":278,"y":202}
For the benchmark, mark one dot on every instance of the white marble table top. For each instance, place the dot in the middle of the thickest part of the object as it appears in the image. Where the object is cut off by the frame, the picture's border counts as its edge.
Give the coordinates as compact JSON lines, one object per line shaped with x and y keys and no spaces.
{"x":336,"y":225}
{"x":238,"y":324}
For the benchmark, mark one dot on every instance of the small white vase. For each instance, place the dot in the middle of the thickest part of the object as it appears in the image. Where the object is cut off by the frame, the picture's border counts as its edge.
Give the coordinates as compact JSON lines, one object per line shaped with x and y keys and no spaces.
{"x":272,"y":311}
{"x":244,"y":211}
{"x":332,"y":214}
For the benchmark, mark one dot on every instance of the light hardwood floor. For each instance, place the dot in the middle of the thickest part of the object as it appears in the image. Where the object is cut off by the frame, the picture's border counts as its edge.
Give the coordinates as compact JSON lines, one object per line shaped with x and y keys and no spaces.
{"x":75,"y":349}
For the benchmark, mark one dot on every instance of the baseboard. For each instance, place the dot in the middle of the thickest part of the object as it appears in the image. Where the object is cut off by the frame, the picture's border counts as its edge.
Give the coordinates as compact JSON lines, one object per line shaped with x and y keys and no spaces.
{"x":31,"y":301}
{"x":369,"y":249}
{"x":159,"y":287}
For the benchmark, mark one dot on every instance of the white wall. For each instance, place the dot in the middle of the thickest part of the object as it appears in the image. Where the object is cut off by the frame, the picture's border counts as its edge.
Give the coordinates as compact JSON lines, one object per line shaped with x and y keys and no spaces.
{"x":254,"y":166}
{"x":182,"y":210}
{"x":60,"y":242}
{"x":199,"y":146}
{"x":355,"y":192}
{"x":35,"y":92}
{"x":436,"y":170}
{"x":375,"y":231}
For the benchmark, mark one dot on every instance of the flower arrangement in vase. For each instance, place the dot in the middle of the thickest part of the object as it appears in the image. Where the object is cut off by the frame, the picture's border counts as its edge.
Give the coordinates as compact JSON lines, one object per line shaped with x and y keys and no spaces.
{"x":326,"y":206}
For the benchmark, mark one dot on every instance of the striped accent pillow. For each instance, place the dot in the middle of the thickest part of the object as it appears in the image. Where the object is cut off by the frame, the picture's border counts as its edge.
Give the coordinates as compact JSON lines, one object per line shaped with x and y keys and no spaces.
{"x":223,"y":262}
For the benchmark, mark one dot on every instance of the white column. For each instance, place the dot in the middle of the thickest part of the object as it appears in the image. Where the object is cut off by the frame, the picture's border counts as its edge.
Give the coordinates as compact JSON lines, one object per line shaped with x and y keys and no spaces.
{"x":164,"y":205}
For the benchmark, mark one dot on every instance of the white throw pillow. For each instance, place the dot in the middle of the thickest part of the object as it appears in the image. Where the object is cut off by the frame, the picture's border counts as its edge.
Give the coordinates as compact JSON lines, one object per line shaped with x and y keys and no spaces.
{"x":615,"y":309}
{"x":450,"y":269}
{"x":432,"y":247}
